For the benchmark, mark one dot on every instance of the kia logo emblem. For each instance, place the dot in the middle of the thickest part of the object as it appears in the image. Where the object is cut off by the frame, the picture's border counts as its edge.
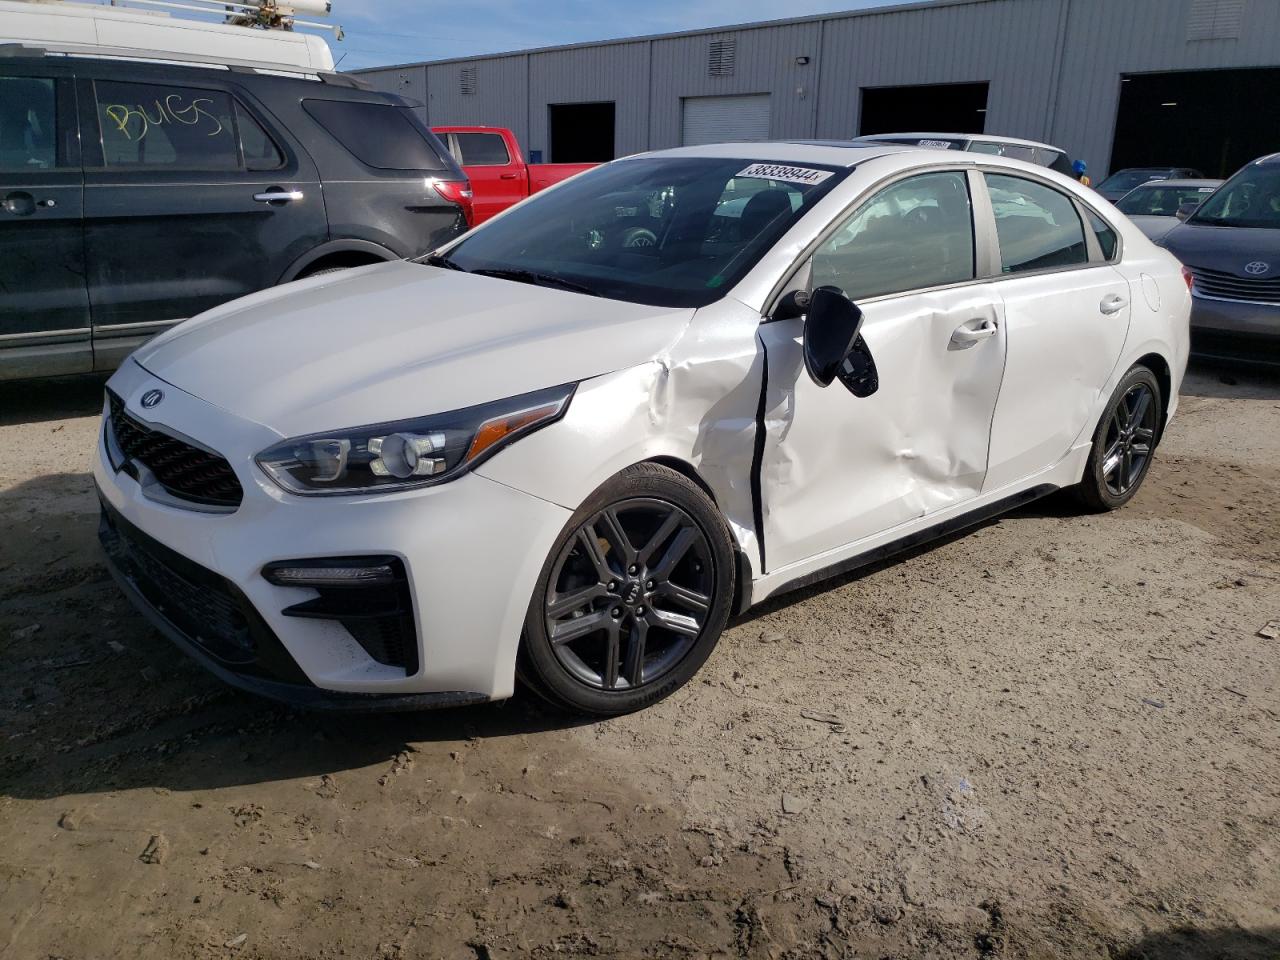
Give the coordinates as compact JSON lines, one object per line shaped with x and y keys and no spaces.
{"x":633,"y":593}
{"x":151,"y":398}
{"x":1257,"y":268}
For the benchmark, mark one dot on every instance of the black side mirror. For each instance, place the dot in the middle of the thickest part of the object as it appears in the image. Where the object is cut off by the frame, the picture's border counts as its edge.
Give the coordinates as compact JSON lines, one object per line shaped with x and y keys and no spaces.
{"x":831,"y":329}
{"x":1186,"y":209}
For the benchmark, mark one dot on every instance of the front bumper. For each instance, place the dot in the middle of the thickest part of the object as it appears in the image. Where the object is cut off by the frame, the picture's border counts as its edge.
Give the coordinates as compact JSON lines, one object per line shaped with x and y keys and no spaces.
{"x":1235,"y":329}
{"x":472,"y":550}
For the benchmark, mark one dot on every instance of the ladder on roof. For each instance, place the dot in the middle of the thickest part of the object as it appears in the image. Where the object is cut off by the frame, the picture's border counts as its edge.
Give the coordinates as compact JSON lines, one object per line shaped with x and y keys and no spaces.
{"x":263,"y":14}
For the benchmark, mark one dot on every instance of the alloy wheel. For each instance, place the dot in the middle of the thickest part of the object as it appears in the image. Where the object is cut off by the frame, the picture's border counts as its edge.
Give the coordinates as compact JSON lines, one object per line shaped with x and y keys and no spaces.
{"x":629,"y":594}
{"x":1130,"y":436}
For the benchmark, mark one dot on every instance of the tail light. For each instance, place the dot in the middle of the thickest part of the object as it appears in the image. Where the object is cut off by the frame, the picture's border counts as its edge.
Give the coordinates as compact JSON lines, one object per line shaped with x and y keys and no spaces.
{"x":1188,"y":277}
{"x":459,"y":192}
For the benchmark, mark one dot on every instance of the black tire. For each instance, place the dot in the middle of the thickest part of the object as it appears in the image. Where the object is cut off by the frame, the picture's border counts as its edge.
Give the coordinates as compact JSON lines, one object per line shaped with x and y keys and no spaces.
{"x":321,"y":272}
{"x":1124,"y":442}
{"x":637,"y":616}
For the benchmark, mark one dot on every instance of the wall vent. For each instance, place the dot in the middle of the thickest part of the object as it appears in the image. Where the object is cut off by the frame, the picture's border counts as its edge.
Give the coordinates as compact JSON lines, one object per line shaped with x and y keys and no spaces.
{"x":721,"y":57}
{"x":1215,"y":19}
{"x":467,"y":80}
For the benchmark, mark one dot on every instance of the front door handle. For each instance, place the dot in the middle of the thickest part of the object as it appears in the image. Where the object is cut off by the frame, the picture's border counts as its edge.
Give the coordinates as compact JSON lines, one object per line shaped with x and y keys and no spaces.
{"x":1112,"y":303}
{"x":278,"y":196}
{"x":508,"y":176}
{"x":970,"y":333}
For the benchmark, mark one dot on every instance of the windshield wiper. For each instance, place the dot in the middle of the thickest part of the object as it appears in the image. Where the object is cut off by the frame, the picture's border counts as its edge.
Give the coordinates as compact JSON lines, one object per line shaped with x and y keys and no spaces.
{"x":440,"y":260}
{"x":537,"y":279}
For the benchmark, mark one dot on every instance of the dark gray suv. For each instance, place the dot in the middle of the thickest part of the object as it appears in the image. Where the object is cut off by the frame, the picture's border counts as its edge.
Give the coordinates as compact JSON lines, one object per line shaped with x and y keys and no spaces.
{"x":134,"y":195}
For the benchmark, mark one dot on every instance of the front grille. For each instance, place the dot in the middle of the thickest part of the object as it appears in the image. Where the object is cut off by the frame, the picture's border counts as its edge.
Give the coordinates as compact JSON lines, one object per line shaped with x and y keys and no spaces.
{"x":1216,"y":283}
{"x":205,"y":608}
{"x":184,"y":471}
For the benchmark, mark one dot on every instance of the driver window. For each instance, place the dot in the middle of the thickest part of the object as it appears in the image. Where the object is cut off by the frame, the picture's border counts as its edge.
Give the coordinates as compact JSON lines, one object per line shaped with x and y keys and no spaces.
{"x":913,"y":235}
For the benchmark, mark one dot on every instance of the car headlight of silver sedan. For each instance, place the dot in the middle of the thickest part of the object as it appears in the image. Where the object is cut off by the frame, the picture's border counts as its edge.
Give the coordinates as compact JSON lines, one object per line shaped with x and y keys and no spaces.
{"x":409,"y":453}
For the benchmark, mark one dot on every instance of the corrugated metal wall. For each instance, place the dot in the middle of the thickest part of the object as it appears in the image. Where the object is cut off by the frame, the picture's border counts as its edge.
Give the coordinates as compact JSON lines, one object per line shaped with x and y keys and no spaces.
{"x":1054,"y":69}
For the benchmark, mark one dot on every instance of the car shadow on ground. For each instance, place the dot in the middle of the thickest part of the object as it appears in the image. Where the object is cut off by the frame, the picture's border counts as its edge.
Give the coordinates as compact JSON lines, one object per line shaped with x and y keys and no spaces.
{"x":1189,"y":943}
{"x":94,"y":699}
{"x":56,"y":398}
{"x":1222,"y":379}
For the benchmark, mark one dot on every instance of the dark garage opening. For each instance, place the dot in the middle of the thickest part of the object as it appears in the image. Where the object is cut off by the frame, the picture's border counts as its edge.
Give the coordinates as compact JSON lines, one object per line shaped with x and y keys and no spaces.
{"x":1213,"y":120}
{"x":928,"y":108}
{"x":581,"y":132}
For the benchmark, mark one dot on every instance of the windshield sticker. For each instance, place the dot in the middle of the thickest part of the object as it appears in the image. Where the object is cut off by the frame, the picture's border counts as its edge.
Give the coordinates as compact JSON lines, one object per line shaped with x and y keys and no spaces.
{"x":776,"y":171}
{"x":944,"y":144}
{"x":1206,"y":190}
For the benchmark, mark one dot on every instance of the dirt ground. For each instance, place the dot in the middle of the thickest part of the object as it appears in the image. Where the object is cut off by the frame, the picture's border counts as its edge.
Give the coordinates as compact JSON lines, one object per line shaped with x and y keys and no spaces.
{"x":1053,"y":737}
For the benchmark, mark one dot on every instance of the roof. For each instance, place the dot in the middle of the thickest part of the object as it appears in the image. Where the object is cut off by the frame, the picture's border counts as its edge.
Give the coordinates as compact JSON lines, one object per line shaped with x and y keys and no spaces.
{"x":1185,"y":182}
{"x":933,"y":135}
{"x":831,"y":153}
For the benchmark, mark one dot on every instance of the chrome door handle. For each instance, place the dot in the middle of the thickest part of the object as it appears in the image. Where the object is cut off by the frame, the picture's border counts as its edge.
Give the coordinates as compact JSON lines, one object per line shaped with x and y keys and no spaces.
{"x":1113,"y":303}
{"x":973,"y":331}
{"x":278,"y":196}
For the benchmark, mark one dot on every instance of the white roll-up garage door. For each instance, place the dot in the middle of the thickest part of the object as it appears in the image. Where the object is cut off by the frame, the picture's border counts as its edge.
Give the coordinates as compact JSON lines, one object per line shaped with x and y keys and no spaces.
{"x":725,"y":119}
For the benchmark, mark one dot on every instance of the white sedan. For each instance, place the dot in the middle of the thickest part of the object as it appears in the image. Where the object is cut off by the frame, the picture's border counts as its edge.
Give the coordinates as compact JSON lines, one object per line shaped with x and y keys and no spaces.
{"x":572,"y":444}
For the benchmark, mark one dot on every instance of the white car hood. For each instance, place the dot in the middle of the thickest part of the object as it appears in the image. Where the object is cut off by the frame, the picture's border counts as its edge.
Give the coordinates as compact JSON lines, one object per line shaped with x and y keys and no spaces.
{"x":399,"y":340}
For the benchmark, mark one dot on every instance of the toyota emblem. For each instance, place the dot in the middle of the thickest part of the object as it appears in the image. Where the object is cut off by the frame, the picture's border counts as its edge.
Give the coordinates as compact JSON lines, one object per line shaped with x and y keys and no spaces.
{"x":151,"y":398}
{"x":1257,"y":268}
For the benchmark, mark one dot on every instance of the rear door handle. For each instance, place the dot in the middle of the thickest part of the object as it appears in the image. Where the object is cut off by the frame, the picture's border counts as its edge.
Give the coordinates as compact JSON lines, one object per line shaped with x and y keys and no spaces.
{"x":278,"y":196}
{"x":1113,"y":303}
{"x":973,"y":331}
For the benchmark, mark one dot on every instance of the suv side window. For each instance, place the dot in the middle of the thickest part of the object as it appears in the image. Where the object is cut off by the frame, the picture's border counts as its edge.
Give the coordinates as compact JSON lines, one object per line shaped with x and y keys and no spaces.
{"x":260,"y":151}
{"x":1037,"y":226}
{"x":157,"y":125}
{"x":28,"y":124}
{"x":482,"y":150}
{"x":914,"y":234}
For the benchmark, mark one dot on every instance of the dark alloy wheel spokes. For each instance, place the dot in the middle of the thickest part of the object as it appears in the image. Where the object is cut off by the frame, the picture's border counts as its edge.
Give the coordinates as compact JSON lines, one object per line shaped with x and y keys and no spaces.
{"x":1130,"y":436}
{"x":630,"y":594}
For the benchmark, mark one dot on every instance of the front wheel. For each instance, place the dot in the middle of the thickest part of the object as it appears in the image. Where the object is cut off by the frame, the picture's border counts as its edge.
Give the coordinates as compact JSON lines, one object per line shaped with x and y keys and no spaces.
{"x":1123,"y":443}
{"x":633,"y":597}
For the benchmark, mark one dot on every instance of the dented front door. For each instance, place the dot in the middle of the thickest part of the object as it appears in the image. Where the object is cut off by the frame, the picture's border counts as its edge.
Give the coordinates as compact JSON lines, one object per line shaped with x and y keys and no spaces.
{"x":838,"y":468}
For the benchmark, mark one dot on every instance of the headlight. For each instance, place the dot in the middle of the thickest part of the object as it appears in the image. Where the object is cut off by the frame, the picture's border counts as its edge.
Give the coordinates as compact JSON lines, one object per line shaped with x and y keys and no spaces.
{"x":409,"y":453}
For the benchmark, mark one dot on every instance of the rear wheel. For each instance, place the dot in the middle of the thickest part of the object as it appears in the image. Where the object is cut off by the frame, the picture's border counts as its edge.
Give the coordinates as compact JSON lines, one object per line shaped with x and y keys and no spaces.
{"x":633,"y":597}
{"x":1123,"y":443}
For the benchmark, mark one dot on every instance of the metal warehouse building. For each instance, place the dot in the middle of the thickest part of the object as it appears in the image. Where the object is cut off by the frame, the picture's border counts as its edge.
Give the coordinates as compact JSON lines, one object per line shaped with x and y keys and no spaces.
{"x":1115,"y":82}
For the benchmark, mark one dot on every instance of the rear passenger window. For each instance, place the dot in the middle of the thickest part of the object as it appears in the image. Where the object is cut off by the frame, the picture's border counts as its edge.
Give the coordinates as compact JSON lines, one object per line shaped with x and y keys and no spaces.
{"x":482,"y":150}
{"x":1106,"y":237}
{"x":28,"y":117}
{"x":914,"y":234}
{"x":1037,"y":226}
{"x":379,"y":135}
{"x":150,"y":125}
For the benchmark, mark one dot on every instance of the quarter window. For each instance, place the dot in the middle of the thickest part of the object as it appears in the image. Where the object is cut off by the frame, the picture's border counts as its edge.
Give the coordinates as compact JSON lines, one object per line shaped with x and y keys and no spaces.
{"x":379,"y":135}
{"x":1105,"y":236}
{"x":28,"y":117}
{"x":1038,"y":227}
{"x":150,"y":125}
{"x":915,"y":234}
{"x":482,"y":150}
{"x":260,"y":151}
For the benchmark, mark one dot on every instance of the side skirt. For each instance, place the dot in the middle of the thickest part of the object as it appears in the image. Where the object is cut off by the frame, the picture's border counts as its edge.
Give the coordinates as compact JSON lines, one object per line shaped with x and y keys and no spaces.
{"x":912,"y":540}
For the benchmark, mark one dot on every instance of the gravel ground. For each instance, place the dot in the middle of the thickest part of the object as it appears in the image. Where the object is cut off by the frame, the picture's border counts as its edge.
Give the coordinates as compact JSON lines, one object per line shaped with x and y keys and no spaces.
{"x":1053,"y":737}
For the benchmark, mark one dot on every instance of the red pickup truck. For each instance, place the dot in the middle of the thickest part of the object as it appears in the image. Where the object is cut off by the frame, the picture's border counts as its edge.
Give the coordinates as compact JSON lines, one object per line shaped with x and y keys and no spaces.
{"x":492,"y":160}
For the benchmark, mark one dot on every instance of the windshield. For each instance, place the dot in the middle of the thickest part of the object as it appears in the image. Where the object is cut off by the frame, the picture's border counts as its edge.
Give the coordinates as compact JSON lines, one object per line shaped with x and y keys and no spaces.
{"x":1249,"y":199}
{"x":665,"y":231}
{"x":1159,"y":201}
{"x":1128,"y":179}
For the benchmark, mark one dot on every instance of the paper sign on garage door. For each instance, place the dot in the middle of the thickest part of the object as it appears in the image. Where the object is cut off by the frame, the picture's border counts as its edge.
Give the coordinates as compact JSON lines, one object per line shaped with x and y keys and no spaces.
{"x":725,"y":119}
